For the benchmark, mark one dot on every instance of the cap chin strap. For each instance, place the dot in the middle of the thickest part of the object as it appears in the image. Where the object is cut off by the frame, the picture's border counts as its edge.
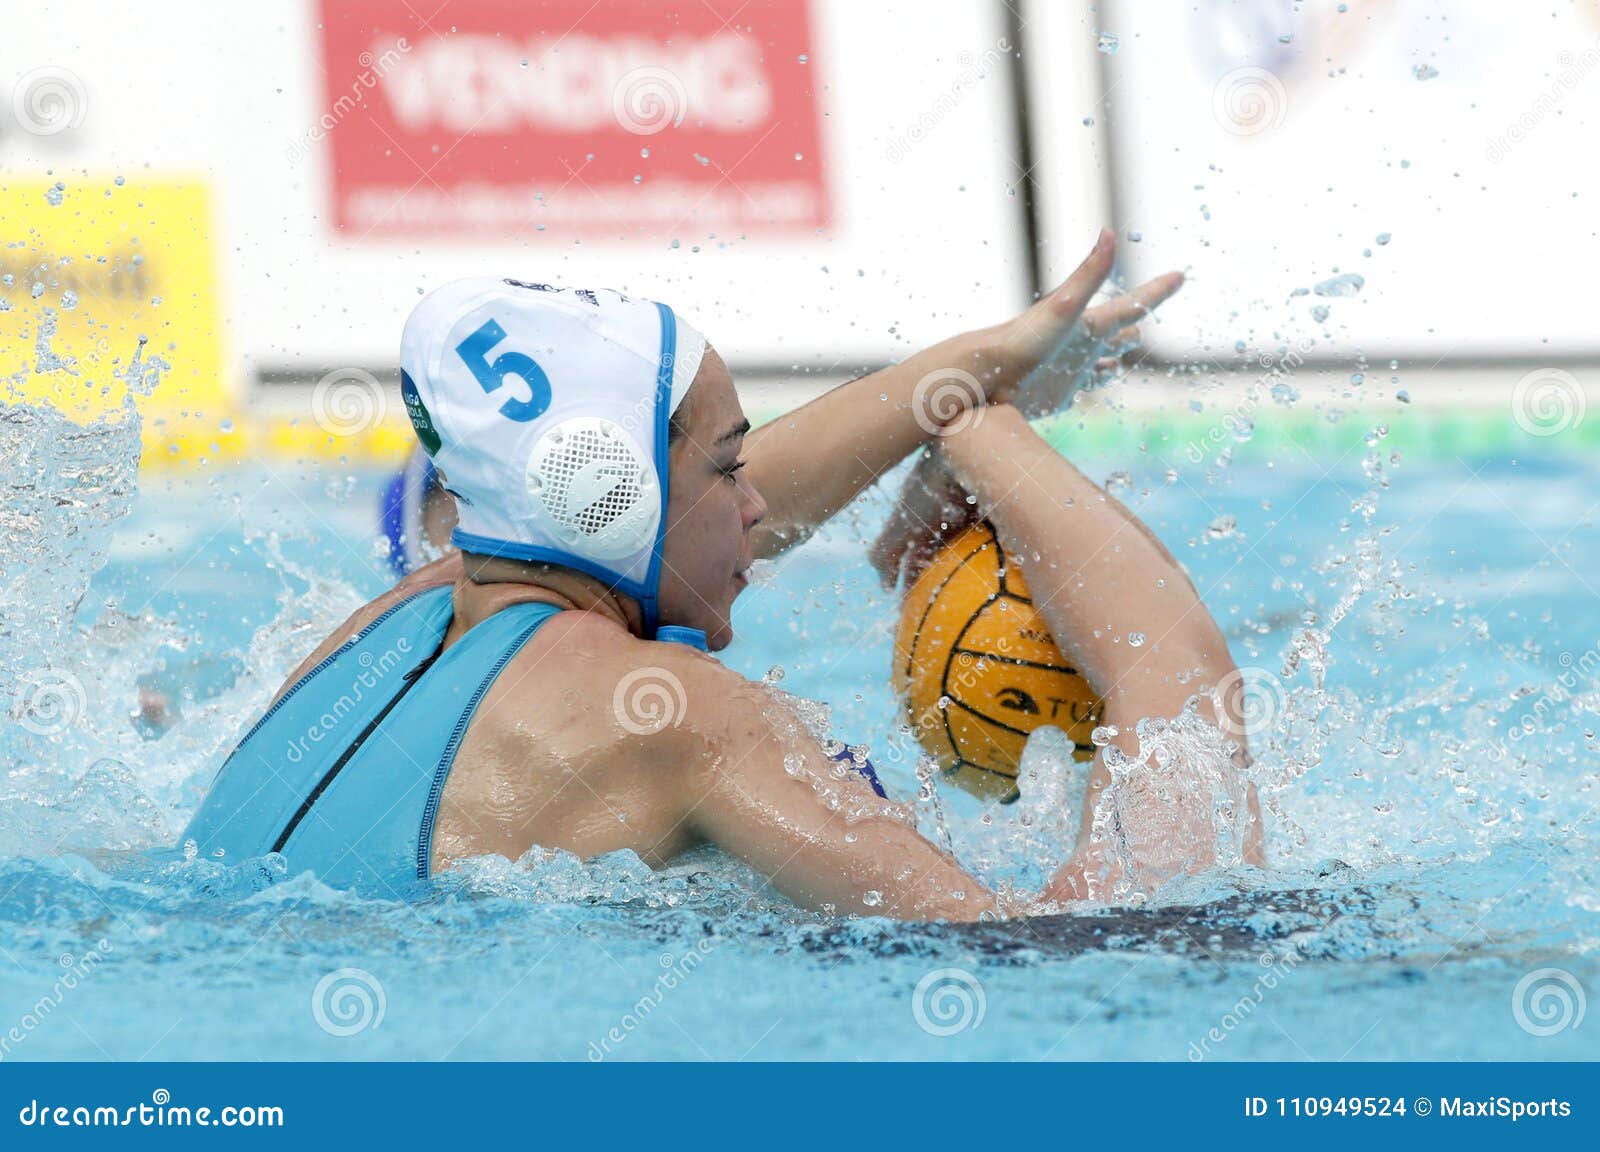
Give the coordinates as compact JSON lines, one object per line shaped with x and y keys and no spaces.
{"x":669,"y":356}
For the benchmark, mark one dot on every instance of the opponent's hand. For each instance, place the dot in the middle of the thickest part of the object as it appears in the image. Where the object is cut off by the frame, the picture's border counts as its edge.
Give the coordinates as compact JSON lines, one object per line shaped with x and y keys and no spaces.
{"x":932,"y":508}
{"x":1039,"y":359}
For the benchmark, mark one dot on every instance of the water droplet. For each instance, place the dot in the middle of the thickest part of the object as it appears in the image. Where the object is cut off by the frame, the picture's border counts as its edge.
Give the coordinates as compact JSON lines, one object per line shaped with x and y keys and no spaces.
{"x":1403,"y":396}
{"x":1135,"y":237}
{"x":1222,"y":527}
{"x":1103,"y":735}
{"x":804,"y":59}
{"x":645,"y":153}
{"x":1424,"y":71}
{"x":1383,"y":238}
{"x":872,"y":898}
{"x":1106,"y":43}
{"x":1135,"y":639}
{"x":1348,"y":284}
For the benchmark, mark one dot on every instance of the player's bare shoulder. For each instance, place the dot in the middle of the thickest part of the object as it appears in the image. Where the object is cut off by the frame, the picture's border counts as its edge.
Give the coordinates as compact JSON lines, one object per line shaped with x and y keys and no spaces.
{"x":614,"y":694}
{"x":446,"y":570}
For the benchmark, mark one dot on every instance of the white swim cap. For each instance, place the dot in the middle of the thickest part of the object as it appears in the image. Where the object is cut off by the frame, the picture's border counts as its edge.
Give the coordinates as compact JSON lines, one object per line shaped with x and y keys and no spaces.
{"x":546,"y":409}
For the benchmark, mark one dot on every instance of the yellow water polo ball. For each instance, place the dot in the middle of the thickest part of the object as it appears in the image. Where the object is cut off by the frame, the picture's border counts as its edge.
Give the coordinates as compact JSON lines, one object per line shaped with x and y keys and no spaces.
{"x":978,"y":670}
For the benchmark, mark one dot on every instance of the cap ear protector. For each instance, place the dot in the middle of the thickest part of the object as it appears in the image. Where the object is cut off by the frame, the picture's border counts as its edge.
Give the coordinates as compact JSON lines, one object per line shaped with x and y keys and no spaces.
{"x":594,"y":488}
{"x":547,"y":410}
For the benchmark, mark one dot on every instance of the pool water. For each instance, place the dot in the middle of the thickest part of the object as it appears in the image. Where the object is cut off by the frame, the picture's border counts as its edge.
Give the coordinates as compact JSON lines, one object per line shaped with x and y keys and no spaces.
{"x":1420,"y":634}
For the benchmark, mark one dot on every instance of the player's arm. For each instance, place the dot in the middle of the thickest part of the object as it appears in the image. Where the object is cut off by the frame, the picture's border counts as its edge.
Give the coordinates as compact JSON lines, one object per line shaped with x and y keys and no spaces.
{"x":813,"y":461}
{"x":753,"y":781}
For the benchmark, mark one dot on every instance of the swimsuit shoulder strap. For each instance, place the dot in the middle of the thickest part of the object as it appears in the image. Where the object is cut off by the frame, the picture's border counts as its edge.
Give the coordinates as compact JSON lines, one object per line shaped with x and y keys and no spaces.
{"x":368,"y":821}
{"x":281,"y":758}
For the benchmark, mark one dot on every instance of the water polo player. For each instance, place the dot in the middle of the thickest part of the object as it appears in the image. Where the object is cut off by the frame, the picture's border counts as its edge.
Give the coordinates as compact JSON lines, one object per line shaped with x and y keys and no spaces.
{"x":611,"y":500}
{"x":416,"y":514}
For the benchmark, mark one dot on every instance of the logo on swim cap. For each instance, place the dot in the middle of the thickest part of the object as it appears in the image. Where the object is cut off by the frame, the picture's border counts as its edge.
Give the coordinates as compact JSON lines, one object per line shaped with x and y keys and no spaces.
{"x":427,"y":434}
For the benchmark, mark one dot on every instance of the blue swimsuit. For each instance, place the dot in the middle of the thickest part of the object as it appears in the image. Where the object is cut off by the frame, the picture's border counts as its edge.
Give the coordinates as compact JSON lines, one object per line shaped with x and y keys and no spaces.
{"x":343,"y":775}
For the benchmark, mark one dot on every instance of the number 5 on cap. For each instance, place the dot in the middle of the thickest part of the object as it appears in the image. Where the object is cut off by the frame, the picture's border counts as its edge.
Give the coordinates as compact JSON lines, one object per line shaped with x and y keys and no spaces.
{"x":474,"y":353}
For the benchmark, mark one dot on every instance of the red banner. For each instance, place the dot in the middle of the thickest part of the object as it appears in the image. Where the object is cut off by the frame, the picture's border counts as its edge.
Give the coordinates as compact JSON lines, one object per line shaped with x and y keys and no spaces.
{"x":635,"y":118}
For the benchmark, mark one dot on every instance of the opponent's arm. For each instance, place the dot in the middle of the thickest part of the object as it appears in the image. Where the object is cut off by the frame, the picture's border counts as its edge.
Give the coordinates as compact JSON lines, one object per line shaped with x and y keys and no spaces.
{"x":1118,"y":604}
{"x":813,"y":461}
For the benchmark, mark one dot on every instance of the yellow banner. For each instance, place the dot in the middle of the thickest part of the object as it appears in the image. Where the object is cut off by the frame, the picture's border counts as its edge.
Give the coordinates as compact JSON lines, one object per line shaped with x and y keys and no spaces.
{"x":90,"y":265}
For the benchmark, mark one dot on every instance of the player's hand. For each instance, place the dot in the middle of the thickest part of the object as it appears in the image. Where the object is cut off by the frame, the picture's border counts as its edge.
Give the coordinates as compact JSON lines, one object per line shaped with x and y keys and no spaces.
{"x":1039,"y":359}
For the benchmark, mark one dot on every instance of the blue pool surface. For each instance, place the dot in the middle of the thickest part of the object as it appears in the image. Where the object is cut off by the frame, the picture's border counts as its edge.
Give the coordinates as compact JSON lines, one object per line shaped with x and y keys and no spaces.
{"x":1432,"y":892}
